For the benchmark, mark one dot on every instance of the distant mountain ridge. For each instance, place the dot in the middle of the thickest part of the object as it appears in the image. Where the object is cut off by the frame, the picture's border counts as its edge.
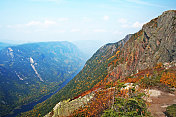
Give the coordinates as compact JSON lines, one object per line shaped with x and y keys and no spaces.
{"x":89,"y":47}
{"x":3,"y":45}
{"x":29,"y":71}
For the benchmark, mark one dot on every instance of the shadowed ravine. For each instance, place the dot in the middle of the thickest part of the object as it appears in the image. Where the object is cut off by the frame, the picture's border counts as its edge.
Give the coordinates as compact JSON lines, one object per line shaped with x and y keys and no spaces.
{"x":31,"y":105}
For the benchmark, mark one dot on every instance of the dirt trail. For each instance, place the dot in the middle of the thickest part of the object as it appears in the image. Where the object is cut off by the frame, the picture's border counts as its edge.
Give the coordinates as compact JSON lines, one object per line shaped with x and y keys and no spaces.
{"x":160,"y":101}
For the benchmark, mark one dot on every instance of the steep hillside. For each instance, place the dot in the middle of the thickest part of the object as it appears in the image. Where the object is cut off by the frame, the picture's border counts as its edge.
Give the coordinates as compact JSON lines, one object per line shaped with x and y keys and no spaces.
{"x":30,"y":71}
{"x":93,"y":72}
{"x":148,"y":59}
{"x":140,"y":53}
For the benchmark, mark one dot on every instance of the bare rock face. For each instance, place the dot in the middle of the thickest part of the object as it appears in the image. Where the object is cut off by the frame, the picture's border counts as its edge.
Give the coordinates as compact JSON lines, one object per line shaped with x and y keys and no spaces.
{"x":66,"y":107}
{"x":161,"y":33}
{"x":154,"y":43}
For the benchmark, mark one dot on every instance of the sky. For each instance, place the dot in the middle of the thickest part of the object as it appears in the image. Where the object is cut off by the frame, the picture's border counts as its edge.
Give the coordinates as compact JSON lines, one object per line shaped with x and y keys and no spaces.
{"x":23,"y":21}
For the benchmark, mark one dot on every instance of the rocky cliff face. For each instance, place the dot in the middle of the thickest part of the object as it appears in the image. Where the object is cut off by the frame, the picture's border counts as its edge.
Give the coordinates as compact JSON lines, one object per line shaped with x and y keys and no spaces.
{"x":66,"y":107}
{"x":154,"y":43}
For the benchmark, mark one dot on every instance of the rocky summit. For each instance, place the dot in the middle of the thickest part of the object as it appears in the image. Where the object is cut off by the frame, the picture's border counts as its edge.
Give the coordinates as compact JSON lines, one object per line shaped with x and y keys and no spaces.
{"x":154,"y":43}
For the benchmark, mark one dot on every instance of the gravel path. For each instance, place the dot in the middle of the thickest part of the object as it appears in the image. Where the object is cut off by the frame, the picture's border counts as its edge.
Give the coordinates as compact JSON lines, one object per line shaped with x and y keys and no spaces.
{"x":160,"y":100}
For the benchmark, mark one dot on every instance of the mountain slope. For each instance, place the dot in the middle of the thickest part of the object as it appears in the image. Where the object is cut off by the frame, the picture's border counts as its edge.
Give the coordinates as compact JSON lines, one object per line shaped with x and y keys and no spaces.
{"x":153,"y":44}
{"x":93,"y":72}
{"x":29,"y":71}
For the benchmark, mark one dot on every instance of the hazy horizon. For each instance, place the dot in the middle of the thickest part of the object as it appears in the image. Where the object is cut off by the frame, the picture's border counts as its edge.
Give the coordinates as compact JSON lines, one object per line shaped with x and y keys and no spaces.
{"x":27,"y":21}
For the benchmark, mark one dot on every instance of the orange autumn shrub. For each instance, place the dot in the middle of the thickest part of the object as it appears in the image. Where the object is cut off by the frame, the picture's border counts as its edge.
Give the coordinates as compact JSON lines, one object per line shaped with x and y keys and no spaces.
{"x":168,"y":79}
{"x":101,"y":101}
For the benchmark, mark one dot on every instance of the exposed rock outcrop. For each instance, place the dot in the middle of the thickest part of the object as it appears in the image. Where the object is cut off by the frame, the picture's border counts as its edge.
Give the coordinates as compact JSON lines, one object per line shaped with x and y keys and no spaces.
{"x":154,"y":43}
{"x":66,"y":107}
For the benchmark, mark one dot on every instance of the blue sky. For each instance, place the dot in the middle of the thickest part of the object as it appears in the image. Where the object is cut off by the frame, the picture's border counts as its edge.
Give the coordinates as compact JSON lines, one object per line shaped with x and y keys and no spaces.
{"x":23,"y":21}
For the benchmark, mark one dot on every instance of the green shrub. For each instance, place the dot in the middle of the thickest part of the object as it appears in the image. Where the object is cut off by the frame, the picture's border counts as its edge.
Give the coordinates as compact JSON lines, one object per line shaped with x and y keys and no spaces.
{"x":171,"y":111}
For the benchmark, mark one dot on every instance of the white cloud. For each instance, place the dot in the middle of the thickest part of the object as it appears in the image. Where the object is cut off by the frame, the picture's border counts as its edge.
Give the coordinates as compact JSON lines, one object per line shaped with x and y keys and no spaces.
{"x":33,"y":23}
{"x":15,"y":26}
{"x":53,"y":31}
{"x":117,"y":32}
{"x":47,"y":0}
{"x":75,"y":30}
{"x":63,"y":19}
{"x":99,"y":30}
{"x":49,"y":22}
{"x":145,"y":3}
{"x":54,"y":0}
{"x":46,"y":23}
{"x":60,"y":31}
{"x":39,"y":30}
{"x":137,"y":25}
{"x":124,"y":23}
{"x":86,"y":19}
{"x":106,"y":17}
{"x":125,"y":26}
{"x":122,"y":20}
